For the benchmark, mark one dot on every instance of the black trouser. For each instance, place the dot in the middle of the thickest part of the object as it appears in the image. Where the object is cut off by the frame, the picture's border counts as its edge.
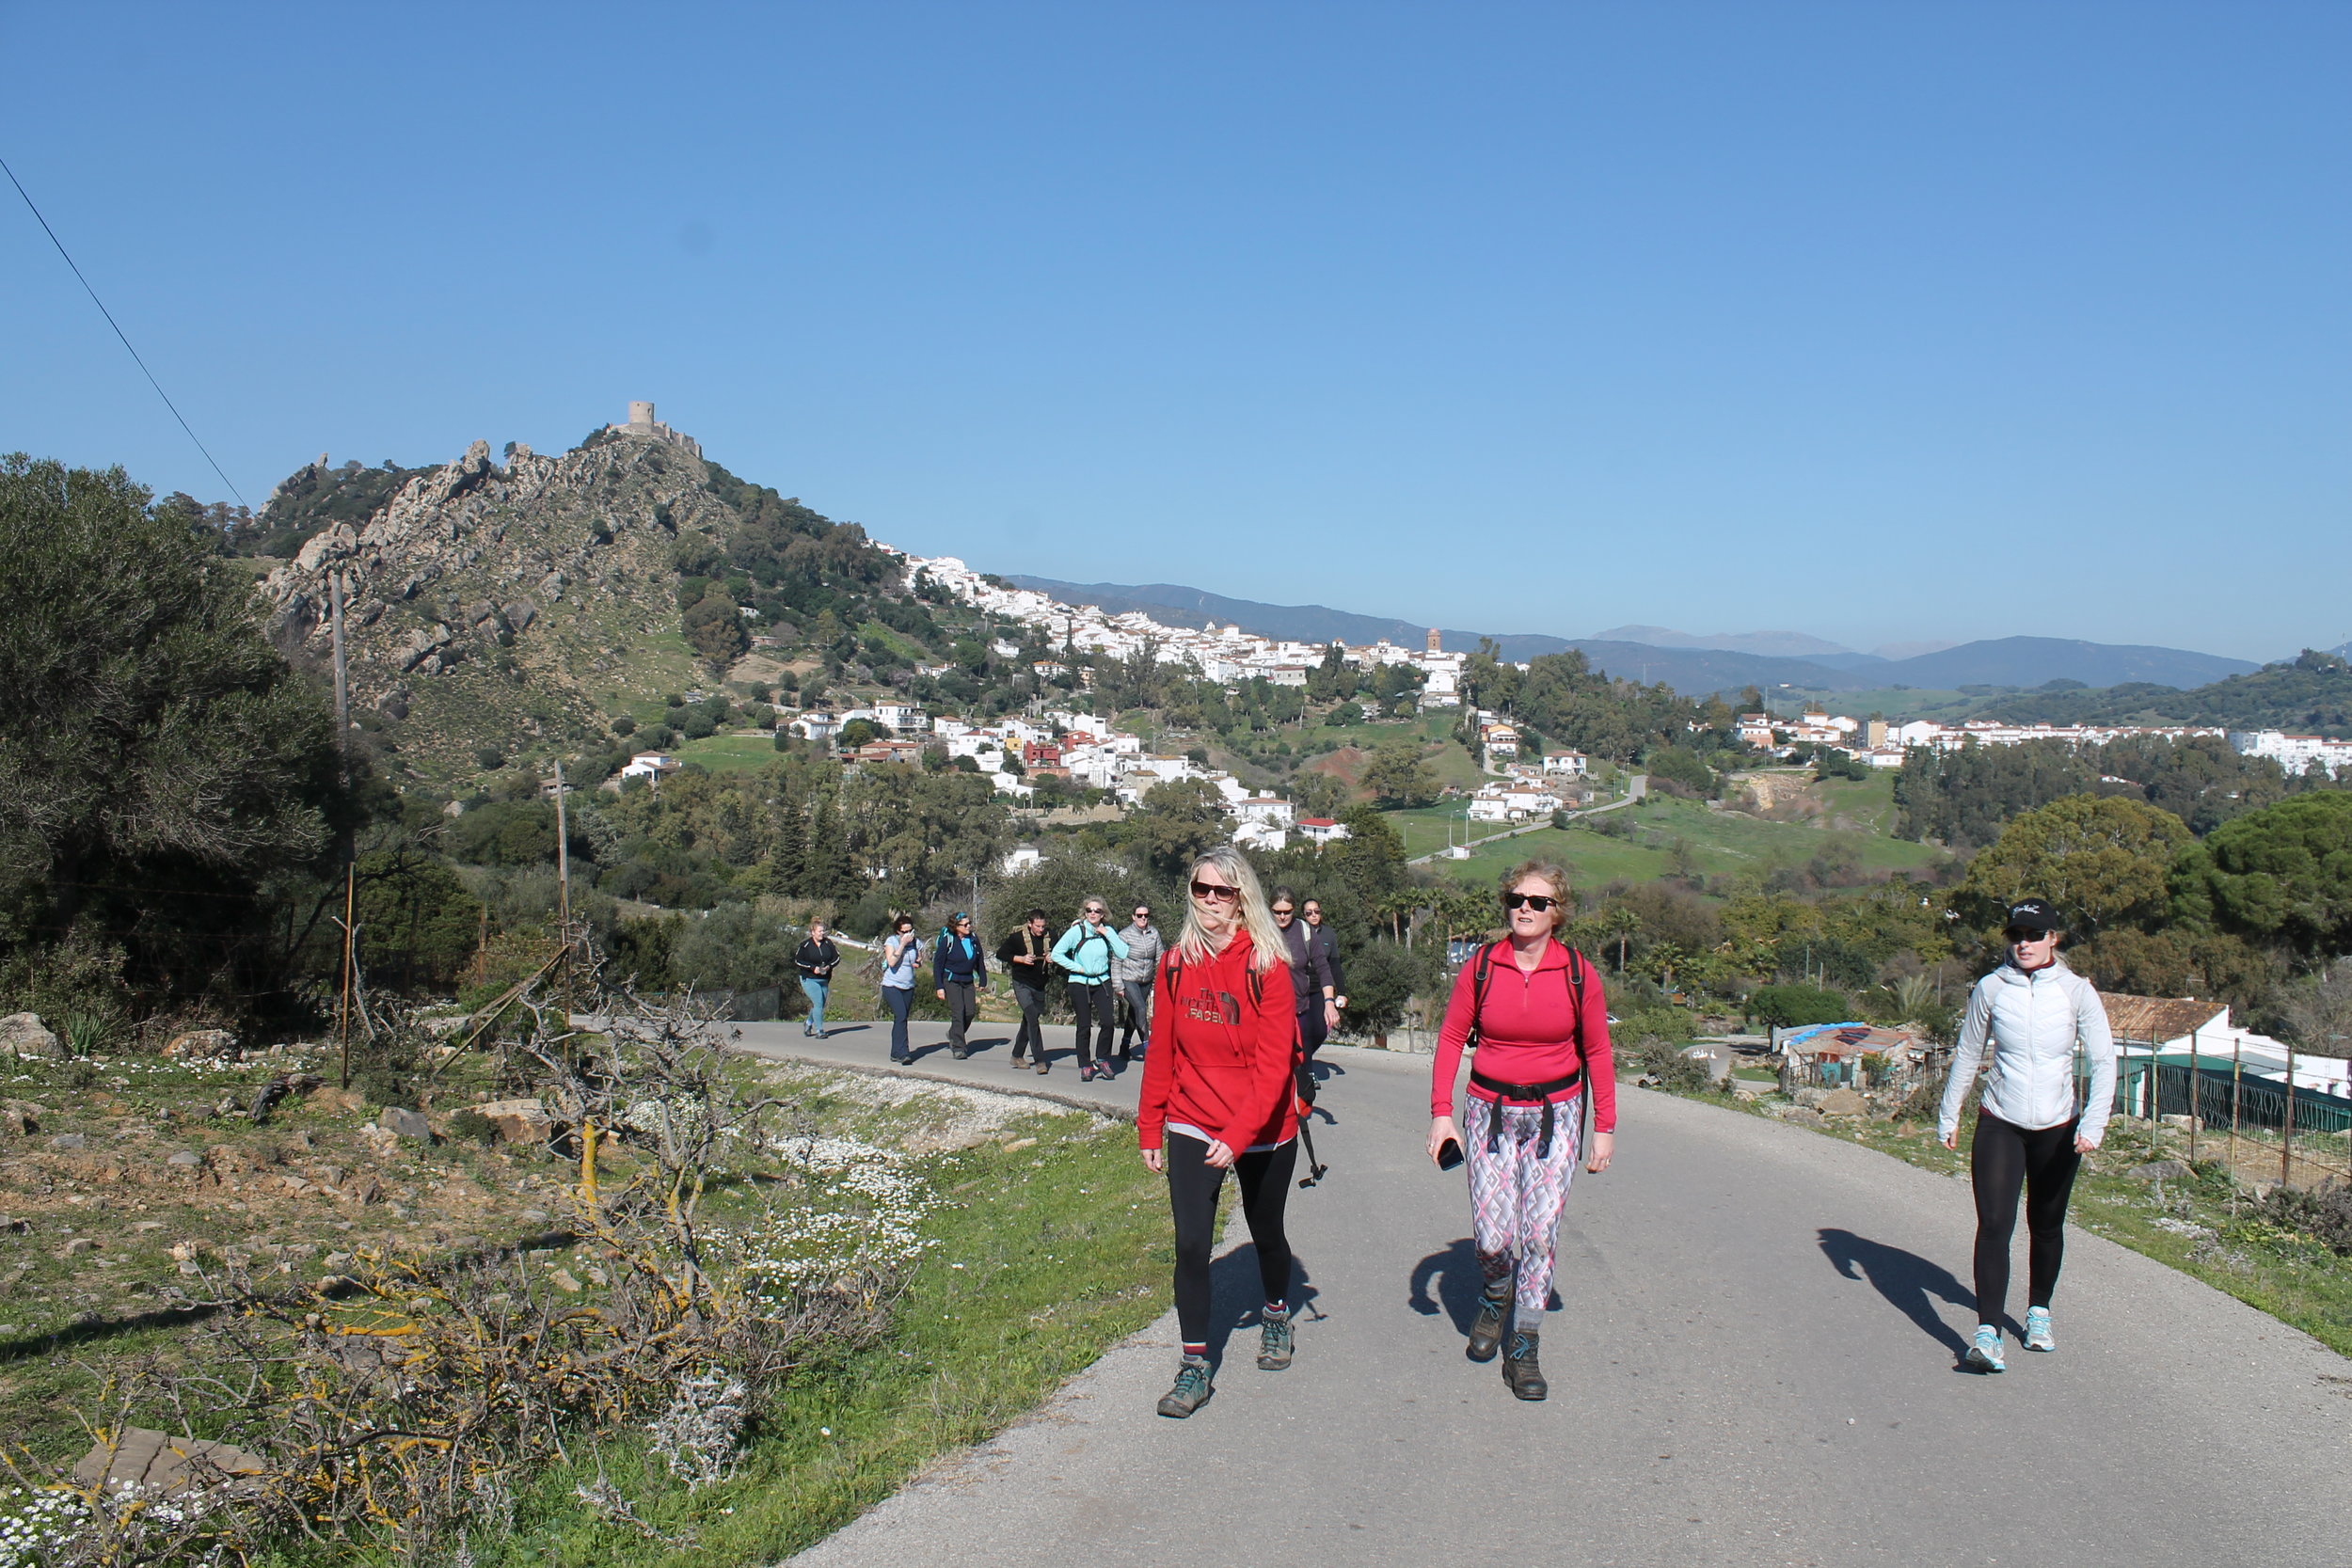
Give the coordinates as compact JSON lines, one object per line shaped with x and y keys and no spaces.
{"x":1031,"y":1035}
{"x":1093,"y":1002}
{"x":901,"y":1001}
{"x":1137,"y":994}
{"x":962,"y":1006}
{"x":2002,"y":1158}
{"x":1192,"y":1188}
{"x":1311,"y":1033}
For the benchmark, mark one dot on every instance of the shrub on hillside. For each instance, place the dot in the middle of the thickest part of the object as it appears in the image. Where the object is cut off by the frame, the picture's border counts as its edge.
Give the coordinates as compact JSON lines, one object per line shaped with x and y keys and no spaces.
{"x":1793,"y":1006}
{"x":1653,"y":1056}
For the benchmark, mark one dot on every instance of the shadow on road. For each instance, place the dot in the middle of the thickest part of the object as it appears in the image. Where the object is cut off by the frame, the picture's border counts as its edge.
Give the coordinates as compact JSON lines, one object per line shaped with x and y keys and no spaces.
{"x":1234,"y":1298}
{"x":1459,"y":1283}
{"x":1907,"y":1280}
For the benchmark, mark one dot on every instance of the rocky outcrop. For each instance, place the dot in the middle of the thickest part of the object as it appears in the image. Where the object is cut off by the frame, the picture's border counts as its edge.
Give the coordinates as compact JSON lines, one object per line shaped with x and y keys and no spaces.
{"x":481,"y":598}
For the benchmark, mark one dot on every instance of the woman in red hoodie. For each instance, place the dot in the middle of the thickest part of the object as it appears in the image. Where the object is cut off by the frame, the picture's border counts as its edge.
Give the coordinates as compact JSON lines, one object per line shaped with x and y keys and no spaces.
{"x":1218,"y":1095}
{"x":1541,"y":1028}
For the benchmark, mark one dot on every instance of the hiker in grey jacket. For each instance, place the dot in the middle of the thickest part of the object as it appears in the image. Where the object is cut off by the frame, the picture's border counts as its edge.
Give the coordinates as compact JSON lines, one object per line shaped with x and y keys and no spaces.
{"x":2029,"y":1017}
{"x":1088,"y":950}
{"x":1133,"y":976}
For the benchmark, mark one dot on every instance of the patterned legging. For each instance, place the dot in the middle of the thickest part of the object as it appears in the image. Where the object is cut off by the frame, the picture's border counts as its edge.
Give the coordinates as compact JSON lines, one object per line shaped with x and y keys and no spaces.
{"x":1516,"y":1198}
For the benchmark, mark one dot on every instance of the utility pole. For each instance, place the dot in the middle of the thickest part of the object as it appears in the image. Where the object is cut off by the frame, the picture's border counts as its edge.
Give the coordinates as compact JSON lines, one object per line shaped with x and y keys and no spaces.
{"x":564,"y":894}
{"x":351,"y":859}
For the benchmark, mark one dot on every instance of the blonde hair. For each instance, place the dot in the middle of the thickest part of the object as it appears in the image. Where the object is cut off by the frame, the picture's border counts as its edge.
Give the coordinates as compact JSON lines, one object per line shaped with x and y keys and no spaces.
{"x":1542,"y":871}
{"x":1265,"y":937}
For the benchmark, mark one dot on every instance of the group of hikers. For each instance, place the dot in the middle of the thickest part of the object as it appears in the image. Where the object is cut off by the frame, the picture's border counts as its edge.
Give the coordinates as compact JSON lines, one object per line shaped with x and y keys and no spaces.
{"x":1228,"y":1017}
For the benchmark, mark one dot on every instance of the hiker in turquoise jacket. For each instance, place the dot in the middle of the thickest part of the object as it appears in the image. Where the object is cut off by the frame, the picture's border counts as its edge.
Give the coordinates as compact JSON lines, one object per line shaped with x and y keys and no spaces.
{"x":1088,"y":950}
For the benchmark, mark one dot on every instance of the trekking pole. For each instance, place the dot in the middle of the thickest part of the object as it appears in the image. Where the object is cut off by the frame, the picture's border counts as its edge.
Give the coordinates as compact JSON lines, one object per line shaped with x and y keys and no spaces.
{"x":1314,"y":1167}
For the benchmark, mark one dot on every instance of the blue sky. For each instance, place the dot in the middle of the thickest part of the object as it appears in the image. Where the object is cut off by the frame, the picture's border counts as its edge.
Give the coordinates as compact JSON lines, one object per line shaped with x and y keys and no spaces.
{"x":1880,"y":321}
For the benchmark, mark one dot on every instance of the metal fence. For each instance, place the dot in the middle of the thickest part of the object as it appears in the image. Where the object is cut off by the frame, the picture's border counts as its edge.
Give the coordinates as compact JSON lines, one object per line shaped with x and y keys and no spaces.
{"x":2262,"y":1129}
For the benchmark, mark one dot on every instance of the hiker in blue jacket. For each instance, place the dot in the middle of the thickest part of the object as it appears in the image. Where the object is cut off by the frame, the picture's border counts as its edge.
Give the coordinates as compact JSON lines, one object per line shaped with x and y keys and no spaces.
{"x":1088,"y":950}
{"x":958,"y":969}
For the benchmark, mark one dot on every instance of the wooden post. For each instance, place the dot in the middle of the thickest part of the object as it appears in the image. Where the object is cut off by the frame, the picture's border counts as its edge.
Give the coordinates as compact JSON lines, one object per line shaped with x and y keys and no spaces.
{"x":2238,"y":1097}
{"x":2286,"y":1136}
{"x":2196,"y":1097}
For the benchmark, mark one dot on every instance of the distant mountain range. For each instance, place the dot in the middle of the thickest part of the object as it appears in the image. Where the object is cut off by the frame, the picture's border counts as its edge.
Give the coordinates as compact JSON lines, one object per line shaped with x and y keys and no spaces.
{"x":1693,"y":665}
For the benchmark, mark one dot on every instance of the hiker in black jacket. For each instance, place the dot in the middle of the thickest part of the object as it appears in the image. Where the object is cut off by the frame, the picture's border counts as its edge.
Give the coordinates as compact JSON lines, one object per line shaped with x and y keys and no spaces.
{"x":1323,"y":949}
{"x":1028,"y":957}
{"x":816,"y":958}
{"x":959,"y":969}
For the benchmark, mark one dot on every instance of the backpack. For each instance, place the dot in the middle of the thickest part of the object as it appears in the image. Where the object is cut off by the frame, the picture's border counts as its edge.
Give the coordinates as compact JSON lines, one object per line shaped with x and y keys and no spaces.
{"x":1077,"y":954}
{"x":1480,"y":976}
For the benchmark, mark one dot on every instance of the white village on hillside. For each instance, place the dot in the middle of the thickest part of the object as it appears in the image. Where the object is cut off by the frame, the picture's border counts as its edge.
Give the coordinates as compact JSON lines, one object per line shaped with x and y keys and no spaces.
{"x":1086,"y":750}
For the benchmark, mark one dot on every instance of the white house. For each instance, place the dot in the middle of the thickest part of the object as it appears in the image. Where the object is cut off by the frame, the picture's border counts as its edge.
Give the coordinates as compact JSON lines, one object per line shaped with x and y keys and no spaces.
{"x":1263,"y":835}
{"x":1321,"y":830}
{"x":2294,"y":754}
{"x":902,"y":718}
{"x":1268,"y":808}
{"x":816,"y":726}
{"x":655,"y":766}
{"x":1519,"y":801}
{"x":1022,"y":857}
{"x":1574,"y":765}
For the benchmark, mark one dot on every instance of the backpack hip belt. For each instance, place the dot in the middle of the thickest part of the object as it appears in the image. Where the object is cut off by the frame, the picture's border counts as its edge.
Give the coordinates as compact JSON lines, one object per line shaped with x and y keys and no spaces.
{"x":1529,"y":1094}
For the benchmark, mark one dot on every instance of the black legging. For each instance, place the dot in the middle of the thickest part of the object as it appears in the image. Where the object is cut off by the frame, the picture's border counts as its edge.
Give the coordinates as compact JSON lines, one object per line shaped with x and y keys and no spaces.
{"x":1029,"y":1036}
{"x":2002,"y":1158}
{"x":1311,"y":1034}
{"x":1094,"y":999}
{"x":1192,"y":1189}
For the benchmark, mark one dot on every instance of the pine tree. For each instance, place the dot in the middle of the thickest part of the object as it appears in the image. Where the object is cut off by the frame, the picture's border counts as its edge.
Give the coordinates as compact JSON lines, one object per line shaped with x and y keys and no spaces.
{"x":826,"y":871}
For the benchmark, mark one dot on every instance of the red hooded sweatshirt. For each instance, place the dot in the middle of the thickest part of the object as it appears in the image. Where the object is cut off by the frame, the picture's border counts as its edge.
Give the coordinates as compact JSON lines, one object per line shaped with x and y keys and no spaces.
{"x":1529,"y":1031}
{"x":1219,"y":1067}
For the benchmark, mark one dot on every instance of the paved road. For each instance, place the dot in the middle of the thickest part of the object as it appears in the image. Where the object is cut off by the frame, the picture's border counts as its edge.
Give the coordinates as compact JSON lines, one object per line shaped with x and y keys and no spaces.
{"x":1756,"y":1365}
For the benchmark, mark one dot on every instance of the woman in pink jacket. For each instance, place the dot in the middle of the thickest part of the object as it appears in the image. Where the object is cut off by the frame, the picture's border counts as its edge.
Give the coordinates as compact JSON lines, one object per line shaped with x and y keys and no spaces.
{"x":1533,"y":1009}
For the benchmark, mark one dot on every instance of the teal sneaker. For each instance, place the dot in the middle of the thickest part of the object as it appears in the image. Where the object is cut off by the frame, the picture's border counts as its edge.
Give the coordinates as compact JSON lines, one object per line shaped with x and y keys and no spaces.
{"x":1192,"y":1388}
{"x":1984,"y":1353}
{"x":1274,"y":1341}
{"x":2038,"y":1329}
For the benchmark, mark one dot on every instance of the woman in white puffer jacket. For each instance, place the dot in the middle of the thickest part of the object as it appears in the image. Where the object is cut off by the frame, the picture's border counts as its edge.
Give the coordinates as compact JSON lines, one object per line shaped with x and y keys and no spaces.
{"x":2032,"y":1014}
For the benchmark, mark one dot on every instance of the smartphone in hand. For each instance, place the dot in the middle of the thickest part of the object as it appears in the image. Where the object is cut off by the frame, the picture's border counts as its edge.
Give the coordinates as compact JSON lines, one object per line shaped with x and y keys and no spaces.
{"x":1449,"y":1155}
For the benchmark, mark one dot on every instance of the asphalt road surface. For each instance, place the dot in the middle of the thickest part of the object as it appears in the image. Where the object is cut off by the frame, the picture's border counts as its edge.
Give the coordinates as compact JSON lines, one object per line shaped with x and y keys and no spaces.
{"x":1757,"y":1364}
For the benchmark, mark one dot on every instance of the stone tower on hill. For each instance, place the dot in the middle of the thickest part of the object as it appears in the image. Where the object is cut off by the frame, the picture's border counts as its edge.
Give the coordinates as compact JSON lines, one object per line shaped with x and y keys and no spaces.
{"x":642,"y":422}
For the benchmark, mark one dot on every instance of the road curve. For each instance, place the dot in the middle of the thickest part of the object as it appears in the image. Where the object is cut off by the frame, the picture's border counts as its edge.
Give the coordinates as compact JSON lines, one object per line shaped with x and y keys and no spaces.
{"x":1755,"y":1365}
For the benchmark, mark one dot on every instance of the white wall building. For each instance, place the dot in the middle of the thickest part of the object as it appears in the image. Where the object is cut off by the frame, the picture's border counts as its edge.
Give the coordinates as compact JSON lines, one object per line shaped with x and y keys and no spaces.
{"x":2294,"y":754}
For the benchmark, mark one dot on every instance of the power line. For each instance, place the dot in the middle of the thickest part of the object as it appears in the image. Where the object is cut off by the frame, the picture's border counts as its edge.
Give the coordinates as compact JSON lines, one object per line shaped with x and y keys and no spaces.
{"x":118,"y":326}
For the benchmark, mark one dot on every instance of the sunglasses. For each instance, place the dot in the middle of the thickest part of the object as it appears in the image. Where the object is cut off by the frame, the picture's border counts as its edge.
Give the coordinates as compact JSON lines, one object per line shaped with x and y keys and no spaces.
{"x":1539,"y":902}
{"x":1143,"y":914}
{"x":2019,"y":933}
{"x":1216,"y":890}
{"x":1281,"y":914}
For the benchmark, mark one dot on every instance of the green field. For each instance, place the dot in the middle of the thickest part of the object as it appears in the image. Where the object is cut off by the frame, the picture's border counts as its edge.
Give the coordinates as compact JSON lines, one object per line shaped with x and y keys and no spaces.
{"x":1718,"y":842}
{"x":742,"y":753}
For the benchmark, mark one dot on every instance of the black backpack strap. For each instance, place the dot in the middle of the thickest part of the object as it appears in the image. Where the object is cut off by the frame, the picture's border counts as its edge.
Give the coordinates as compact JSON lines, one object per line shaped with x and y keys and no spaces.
{"x":1480,"y":976}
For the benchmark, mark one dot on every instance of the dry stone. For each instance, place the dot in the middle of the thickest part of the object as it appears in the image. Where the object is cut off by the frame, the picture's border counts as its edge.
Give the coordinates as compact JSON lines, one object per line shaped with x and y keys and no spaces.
{"x":405,"y":1123}
{"x":2160,"y":1170}
{"x":203,"y":1045}
{"x":518,"y":1120}
{"x":157,"y":1462}
{"x":25,"y":1034}
{"x":1843,"y":1102}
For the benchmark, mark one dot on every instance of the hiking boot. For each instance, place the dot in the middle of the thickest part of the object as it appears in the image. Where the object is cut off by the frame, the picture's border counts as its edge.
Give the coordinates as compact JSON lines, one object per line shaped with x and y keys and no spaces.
{"x":1485,"y":1335}
{"x":1192,"y":1388}
{"x":959,"y":1054}
{"x":1519,"y":1369}
{"x":1274,"y":1341}
{"x":2038,"y":1329}
{"x":1042,"y":1067}
{"x":1019,"y":1062}
{"x":1984,"y":1352}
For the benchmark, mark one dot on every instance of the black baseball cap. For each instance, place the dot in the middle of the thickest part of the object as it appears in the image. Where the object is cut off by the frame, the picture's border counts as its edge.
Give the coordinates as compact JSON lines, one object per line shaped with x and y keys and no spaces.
{"x":2032,"y":915}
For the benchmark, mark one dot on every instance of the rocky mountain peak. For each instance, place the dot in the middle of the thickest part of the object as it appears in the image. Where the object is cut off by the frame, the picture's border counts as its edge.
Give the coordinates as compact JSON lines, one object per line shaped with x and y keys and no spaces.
{"x":477,"y":579}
